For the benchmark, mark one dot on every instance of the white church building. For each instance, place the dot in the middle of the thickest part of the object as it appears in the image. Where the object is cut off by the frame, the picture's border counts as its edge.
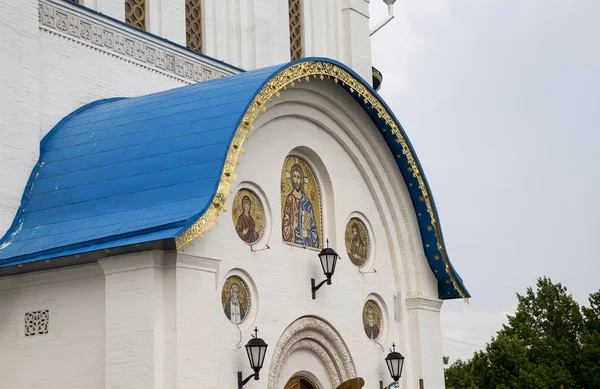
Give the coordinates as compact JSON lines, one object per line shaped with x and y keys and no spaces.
{"x":172,"y":175}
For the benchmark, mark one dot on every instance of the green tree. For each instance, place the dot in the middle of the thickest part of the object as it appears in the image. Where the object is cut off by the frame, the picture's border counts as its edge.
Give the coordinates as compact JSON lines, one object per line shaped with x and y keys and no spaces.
{"x":549,"y":323}
{"x":546,"y":343}
{"x":460,"y":375}
{"x":590,"y":356}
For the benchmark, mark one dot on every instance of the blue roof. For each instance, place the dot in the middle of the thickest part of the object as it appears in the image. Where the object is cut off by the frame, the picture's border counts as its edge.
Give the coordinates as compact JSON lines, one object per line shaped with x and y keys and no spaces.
{"x":126,"y":171}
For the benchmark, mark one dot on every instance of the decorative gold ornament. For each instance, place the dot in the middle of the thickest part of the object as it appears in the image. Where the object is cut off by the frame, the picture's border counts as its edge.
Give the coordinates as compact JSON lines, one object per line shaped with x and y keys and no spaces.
{"x":135,"y":13}
{"x":193,"y":25}
{"x":295,"y":19}
{"x":280,"y":81}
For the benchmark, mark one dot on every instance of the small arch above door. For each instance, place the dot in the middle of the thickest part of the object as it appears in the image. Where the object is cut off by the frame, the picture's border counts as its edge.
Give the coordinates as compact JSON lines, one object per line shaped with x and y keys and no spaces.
{"x":300,"y":382}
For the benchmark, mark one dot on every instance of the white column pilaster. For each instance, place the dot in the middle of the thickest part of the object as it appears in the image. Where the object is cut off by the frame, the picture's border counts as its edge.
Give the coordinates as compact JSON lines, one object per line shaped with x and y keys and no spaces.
{"x":355,"y":41}
{"x":134,"y":331}
{"x":426,"y":342}
{"x":193,"y":292}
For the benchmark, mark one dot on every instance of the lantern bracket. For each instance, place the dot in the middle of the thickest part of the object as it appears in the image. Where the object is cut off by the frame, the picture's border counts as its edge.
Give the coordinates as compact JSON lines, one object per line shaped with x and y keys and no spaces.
{"x":394,"y":384}
{"x":314,"y":288}
{"x":242,"y":382}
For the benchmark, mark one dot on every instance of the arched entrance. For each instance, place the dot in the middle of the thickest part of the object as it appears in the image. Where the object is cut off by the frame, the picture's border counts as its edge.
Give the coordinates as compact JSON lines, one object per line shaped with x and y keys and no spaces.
{"x":300,"y":383}
{"x":310,"y":344}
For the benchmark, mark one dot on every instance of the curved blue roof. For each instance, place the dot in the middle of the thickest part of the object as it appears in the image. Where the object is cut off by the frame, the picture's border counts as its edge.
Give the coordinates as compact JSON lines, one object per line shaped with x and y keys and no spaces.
{"x":126,"y":171}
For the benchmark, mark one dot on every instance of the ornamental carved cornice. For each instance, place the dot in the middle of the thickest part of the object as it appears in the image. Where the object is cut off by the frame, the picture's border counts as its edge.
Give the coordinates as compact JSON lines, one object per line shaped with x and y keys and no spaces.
{"x":100,"y":33}
{"x":322,"y":340}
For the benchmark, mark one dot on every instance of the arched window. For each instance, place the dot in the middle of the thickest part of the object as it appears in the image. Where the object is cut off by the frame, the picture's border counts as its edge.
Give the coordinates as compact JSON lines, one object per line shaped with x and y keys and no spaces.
{"x":295,"y":13}
{"x":193,"y":25}
{"x":135,"y":13}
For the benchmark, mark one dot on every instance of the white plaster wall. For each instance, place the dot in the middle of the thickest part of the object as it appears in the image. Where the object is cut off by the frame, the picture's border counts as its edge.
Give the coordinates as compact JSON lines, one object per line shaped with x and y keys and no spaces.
{"x":249,"y":34}
{"x":355,"y":41}
{"x":112,"y":8}
{"x":73,"y":75}
{"x":312,"y":368}
{"x":71,"y":355}
{"x":166,"y":18}
{"x":253,"y":34}
{"x":282,"y":273}
{"x":322,"y":20}
{"x":19,"y":102}
{"x":45,"y":78}
{"x":165,"y":327}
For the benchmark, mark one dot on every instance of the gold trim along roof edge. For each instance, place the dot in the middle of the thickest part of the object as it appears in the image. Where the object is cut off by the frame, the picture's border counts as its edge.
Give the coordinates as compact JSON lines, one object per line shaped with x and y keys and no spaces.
{"x":288,"y":75}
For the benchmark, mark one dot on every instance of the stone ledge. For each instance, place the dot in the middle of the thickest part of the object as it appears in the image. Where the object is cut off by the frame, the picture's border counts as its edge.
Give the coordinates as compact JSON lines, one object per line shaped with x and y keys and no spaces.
{"x":423,"y":303}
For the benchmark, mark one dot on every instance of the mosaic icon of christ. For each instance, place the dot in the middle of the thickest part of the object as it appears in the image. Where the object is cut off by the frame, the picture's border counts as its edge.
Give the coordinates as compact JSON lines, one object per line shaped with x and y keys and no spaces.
{"x":299,"y":225}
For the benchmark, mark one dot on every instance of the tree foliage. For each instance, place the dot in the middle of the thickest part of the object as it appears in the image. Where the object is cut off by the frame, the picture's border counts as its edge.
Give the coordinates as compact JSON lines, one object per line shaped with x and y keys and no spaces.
{"x":550,"y":341}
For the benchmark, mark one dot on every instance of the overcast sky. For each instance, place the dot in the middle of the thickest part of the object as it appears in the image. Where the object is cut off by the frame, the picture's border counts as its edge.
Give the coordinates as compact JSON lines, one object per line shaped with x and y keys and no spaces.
{"x":501,"y":100}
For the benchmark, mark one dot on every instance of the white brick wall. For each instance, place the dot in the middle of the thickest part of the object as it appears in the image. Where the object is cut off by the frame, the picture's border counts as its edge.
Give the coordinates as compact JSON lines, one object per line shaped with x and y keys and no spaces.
{"x":172,"y":16}
{"x":156,"y":321}
{"x":362,"y":174}
{"x":112,"y":8}
{"x":134,"y":331}
{"x":73,"y":75}
{"x":254,"y":34}
{"x":19,"y":101}
{"x":71,"y":355}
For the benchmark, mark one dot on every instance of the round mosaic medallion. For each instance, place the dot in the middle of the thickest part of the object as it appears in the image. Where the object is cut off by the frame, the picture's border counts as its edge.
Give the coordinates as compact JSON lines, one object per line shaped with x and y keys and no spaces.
{"x":235,"y":298}
{"x":372,"y":319}
{"x":248,"y":216}
{"x":357,"y":241}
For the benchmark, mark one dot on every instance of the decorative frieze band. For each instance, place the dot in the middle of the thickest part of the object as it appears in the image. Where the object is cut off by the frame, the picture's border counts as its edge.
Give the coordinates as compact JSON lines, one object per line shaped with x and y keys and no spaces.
{"x":94,"y":30}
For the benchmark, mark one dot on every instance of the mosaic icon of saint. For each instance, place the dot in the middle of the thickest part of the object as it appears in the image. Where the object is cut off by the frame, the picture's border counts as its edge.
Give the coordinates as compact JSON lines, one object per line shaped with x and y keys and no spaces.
{"x":233,"y":308}
{"x":248,"y":216}
{"x":245,"y":224}
{"x":235,"y":299}
{"x":357,"y":243}
{"x":372,"y":320}
{"x":299,"y":225}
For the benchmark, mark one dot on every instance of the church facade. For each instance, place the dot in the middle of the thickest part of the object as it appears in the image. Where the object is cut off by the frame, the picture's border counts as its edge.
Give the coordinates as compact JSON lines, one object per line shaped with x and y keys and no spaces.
{"x":171,"y":172}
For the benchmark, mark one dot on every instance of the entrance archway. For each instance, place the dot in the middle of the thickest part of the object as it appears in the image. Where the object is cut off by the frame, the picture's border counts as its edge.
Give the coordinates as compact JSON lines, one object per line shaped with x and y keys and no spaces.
{"x":317,"y":338}
{"x":300,"y":382}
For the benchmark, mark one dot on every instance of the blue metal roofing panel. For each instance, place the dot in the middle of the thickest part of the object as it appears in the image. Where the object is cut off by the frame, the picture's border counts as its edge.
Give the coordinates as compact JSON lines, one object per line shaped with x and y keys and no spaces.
{"x":118,"y":166}
{"x":125,"y":171}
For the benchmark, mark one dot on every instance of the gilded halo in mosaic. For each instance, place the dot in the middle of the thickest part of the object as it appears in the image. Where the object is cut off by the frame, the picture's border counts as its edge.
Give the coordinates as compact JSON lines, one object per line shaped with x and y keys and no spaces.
{"x":248,"y":216}
{"x":357,"y":241}
{"x":372,"y":320}
{"x":235,"y":298}
{"x":300,"y":204}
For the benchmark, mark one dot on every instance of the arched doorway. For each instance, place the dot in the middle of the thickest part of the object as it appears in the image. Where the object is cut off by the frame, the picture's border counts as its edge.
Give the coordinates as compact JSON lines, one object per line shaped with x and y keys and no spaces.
{"x":300,"y":383}
{"x":310,"y":344}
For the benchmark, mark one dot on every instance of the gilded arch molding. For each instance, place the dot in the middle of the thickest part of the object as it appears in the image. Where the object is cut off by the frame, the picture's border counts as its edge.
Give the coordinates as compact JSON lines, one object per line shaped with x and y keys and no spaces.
{"x":304,"y":71}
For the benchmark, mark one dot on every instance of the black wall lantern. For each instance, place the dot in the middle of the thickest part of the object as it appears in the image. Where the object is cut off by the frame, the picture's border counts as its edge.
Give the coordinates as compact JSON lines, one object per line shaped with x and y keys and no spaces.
{"x":328,"y":258}
{"x":256,"y":348}
{"x":395,"y":363}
